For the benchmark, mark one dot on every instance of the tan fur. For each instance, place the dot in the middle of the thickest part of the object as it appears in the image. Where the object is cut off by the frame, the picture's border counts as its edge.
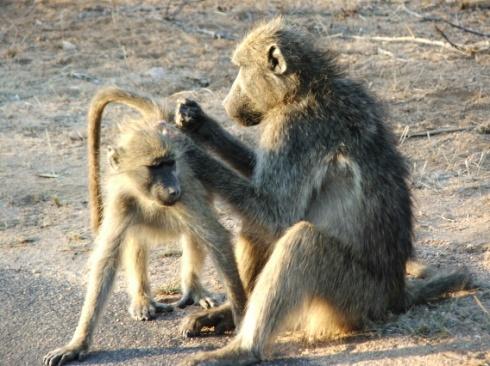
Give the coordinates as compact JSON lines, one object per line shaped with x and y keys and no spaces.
{"x":134,"y":218}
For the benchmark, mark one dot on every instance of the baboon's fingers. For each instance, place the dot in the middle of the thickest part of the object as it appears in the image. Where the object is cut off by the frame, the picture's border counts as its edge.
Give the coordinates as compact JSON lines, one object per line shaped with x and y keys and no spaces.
{"x":65,"y":359}
{"x":193,"y":324}
{"x":197,"y":295}
{"x":60,"y":356}
{"x":188,"y":114}
{"x":142,"y":310}
{"x":207,"y":302}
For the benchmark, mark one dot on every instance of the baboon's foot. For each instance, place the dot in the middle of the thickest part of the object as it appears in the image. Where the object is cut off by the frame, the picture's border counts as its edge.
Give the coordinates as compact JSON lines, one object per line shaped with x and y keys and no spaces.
{"x":161,"y":307}
{"x":216,"y":321}
{"x":229,"y":355}
{"x":197,"y":296}
{"x":189,"y":115}
{"x":143,"y":308}
{"x":65,"y":354}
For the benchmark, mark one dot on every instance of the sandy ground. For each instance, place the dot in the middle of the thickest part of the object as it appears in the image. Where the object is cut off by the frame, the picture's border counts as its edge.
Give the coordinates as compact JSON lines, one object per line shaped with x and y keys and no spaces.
{"x":54,"y":55}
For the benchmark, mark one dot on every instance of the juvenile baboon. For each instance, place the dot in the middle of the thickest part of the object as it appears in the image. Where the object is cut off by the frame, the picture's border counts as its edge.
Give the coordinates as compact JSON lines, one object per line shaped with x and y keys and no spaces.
{"x":151,"y":197}
{"x":324,"y":202}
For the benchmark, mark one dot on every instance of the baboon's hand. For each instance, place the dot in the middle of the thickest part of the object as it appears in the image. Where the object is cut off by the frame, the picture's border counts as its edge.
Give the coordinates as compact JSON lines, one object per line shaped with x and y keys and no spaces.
{"x":220,"y":319}
{"x":188,"y":115}
{"x":197,"y":296}
{"x":65,"y":354}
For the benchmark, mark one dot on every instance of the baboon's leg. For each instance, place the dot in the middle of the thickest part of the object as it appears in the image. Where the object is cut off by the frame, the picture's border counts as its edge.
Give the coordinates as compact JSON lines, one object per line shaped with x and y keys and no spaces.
{"x":193,"y":257}
{"x":135,"y":258}
{"x":251,"y":254}
{"x":285,"y":282}
{"x":223,"y":257}
{"x":298,"y":270}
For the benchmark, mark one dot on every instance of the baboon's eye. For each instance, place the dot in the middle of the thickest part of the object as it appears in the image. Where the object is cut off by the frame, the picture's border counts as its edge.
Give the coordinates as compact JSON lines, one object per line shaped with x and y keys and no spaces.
{"x":162,"y":163}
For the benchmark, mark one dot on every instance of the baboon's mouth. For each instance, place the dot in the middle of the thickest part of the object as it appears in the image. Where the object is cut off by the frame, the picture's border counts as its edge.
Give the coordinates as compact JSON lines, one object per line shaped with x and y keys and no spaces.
{"x":168,"y":203}
{"x":249,"y":123}
{"x":247,"y":117}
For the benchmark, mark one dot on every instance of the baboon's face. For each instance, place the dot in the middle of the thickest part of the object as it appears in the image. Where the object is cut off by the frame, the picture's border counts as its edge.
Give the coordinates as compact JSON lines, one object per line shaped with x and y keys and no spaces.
{"x":162,"y":180}
{"x":261,"y":83}
{"x":151,"y":166}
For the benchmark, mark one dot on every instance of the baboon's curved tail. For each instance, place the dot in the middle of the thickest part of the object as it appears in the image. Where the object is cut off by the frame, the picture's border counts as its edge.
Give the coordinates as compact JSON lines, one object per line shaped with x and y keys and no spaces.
{"x":147,"y":107}
{"x":422,"y":291}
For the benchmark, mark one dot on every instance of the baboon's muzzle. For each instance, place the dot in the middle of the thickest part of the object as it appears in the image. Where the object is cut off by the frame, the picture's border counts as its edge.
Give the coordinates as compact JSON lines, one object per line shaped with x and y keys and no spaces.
{"x":167,"y":196}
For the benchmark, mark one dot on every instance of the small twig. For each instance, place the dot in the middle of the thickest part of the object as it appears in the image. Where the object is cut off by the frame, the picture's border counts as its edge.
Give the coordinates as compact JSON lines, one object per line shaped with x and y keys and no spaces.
{"x":434,"y":18}
{"x":447,"y":219}
{"x":47,"y":175}
{"x":477,"y":300}
{"x":335,"y":35}
{"x":409,"y":30}
{"x":405,"y":40}
{"x":216,"y":34}
{"x":464,"y":29}
{"x":448,"y":40}
{"x":404,"y":135}
{"x":466,"y":50}
{"x":382,"y":51}
{"x":438,"y":131}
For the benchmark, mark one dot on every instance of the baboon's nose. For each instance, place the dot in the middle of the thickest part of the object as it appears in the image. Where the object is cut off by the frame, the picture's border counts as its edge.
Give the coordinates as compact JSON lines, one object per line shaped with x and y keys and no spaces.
{"x":172,"y":196}
{"x":173,"y":193}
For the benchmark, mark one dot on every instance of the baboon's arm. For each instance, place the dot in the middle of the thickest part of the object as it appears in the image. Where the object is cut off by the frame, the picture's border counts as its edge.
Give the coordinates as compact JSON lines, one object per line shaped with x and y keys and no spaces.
{"x":227,"y":146}
{"x":251,"y":202}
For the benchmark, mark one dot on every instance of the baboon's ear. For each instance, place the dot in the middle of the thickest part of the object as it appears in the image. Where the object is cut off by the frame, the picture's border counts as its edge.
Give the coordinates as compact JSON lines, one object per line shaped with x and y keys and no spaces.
{"x":276,"y":60}
{"x":113,"y":156}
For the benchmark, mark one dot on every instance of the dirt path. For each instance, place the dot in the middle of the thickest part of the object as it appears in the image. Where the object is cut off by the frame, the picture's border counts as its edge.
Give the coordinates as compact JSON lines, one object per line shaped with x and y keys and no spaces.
{"x":54,"y":55}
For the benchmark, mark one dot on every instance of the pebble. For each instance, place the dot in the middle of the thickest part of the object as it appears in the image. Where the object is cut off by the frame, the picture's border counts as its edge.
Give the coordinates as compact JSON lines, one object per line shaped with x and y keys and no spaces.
{"x":68,"y":46}
{"x":157,"y":73}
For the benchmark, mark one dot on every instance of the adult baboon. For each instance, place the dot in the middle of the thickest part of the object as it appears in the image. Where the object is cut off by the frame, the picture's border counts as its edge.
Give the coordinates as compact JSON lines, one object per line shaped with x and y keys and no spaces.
{"x":152,"y":196}
{"x":324,"y":202}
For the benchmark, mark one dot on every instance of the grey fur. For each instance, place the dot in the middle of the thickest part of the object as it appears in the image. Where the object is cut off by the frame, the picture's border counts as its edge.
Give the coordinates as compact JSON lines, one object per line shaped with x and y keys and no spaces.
{"x":325,"y":206}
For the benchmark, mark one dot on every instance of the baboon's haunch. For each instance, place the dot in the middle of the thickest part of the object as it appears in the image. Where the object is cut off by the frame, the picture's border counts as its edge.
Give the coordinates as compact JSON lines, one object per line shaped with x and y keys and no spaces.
{"x":325,"y":207}
{"x":152,"y":197}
